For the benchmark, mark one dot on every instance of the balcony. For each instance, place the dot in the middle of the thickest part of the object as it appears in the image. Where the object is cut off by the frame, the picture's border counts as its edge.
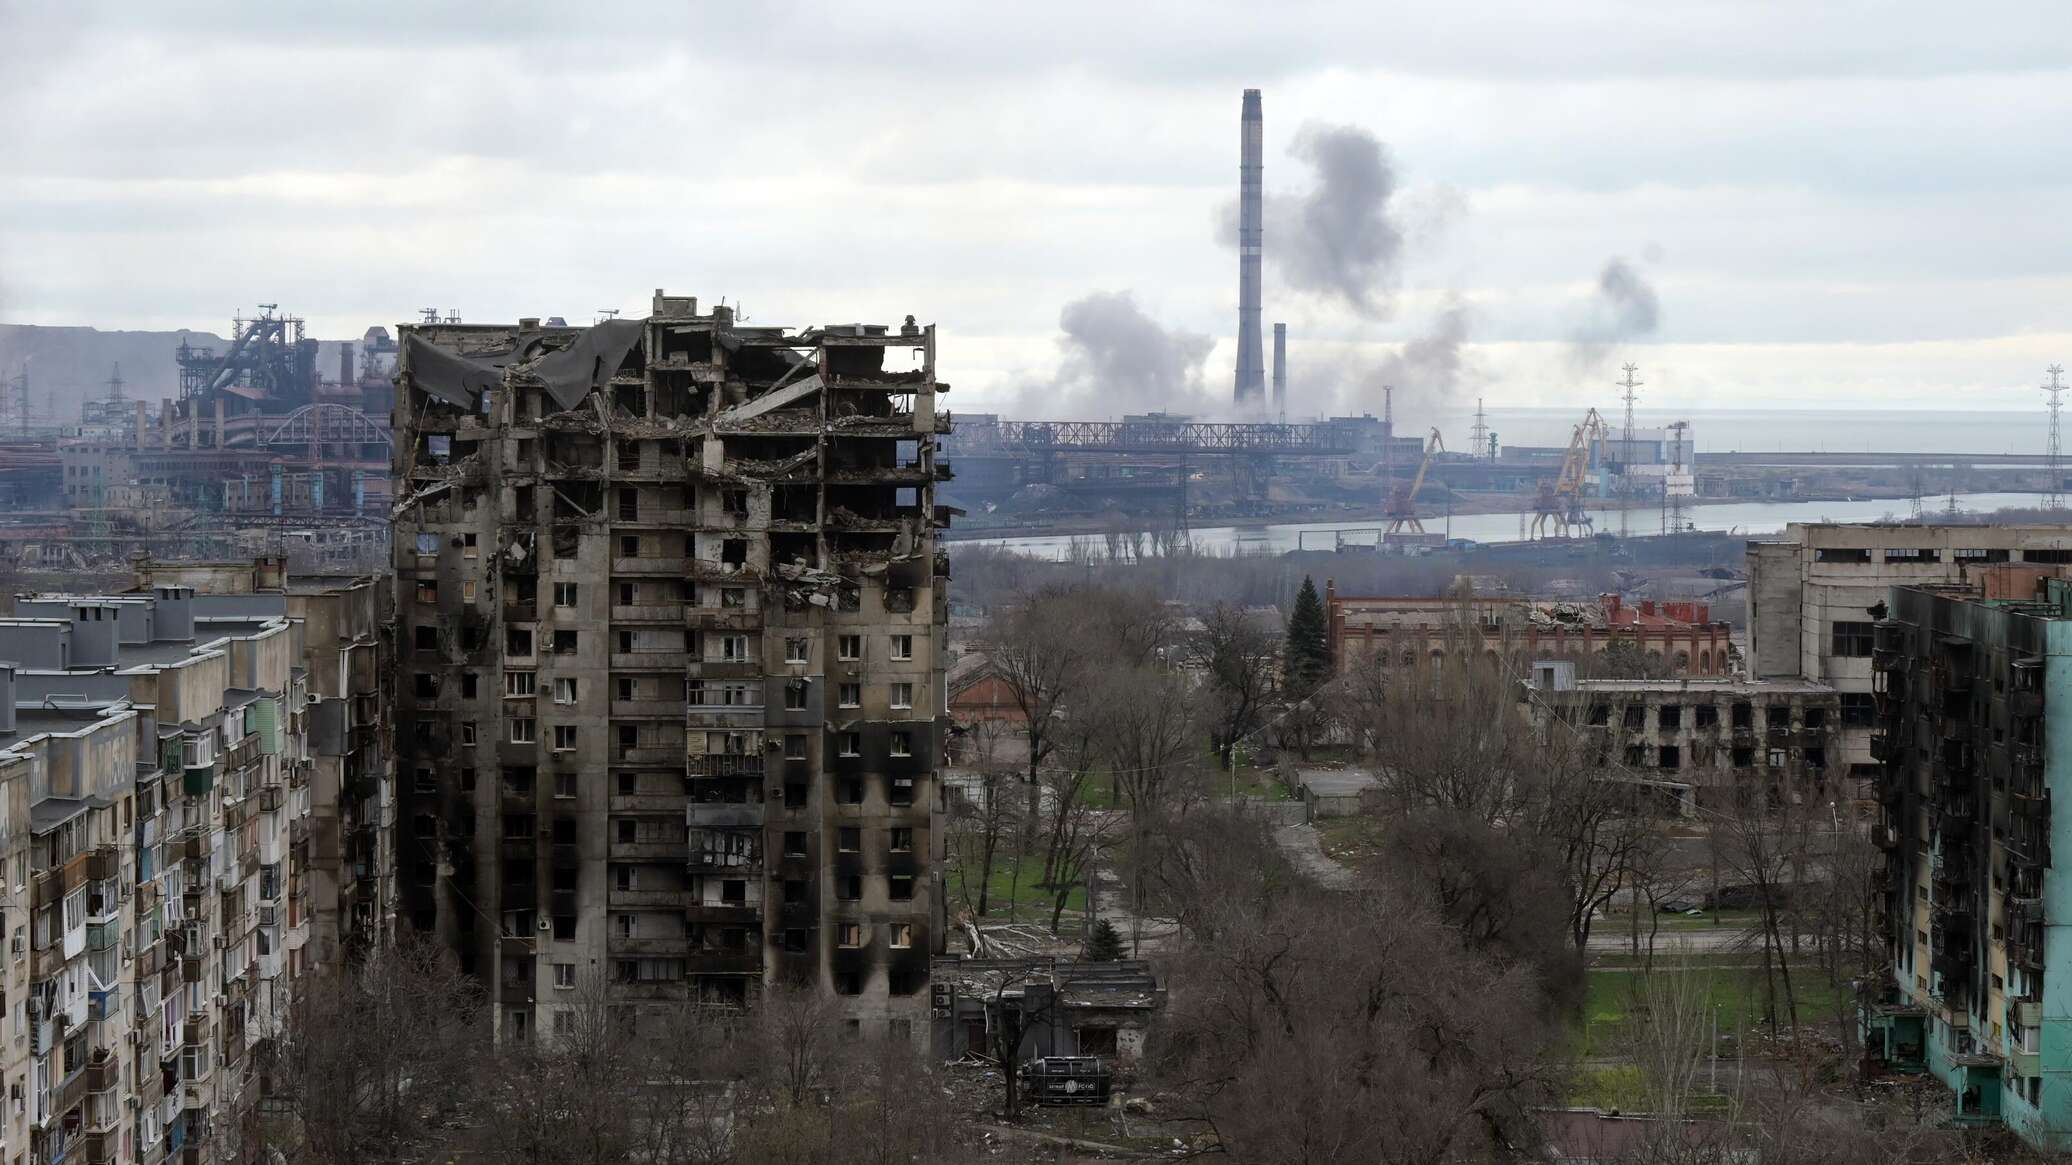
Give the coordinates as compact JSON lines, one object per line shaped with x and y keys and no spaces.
{"x":103,"y":864}
{"x":724,"y":764}
{"x":648,"y":851}
{"x":747,"y":961}
{"x":669,"y":756}
{"x":270,"y":797}
{"x":669,"y":899}
{"x":724,"y":914}
{"x":664,"y":613}
{"x":655,"y":661}
{"x":654,"y":804}
{"x":660,"y":567}
{"x":621,"y":946}
{"x":2025,"y":703}
{"x":647,"y":709}
{"x":723,"y":618}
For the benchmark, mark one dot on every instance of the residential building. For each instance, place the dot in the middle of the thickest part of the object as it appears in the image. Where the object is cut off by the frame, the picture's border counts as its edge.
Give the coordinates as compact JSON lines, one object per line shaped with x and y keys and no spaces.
{"x":1672,"y":638}
{"x":1967,"y":685}
{"x":156,"y":789}
{"x":1811,"y":592}
{"x":1712,"y":744}
{"x":670,"y":698}
{"x":1060,"y":1007}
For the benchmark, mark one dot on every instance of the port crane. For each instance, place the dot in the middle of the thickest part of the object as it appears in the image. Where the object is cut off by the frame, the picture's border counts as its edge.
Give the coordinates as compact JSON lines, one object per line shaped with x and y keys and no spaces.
{"x":1402,"y":506}
{"x":1558,"y":510}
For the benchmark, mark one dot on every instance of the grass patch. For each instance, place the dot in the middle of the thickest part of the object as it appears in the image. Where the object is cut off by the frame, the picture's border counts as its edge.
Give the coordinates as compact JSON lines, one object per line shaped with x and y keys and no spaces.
{"x":1735,"y":996}
{"x":1252,"y":782}
{"x":1012,"y":898}
{"x":1616,"y":1086}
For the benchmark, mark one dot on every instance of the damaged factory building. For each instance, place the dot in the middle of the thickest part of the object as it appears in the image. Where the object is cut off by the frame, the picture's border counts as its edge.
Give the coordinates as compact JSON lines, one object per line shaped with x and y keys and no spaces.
{"x":670,"y":698}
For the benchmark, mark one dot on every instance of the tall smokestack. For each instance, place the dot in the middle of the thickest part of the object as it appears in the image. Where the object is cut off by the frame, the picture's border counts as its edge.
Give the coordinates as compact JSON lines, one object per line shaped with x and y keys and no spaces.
{"x":1251,"y":368}
{"x":1280,"y":371}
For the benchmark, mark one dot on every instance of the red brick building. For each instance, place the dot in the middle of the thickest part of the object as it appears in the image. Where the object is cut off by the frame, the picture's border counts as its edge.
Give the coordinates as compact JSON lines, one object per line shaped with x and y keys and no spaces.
{"x":1409,"y":631}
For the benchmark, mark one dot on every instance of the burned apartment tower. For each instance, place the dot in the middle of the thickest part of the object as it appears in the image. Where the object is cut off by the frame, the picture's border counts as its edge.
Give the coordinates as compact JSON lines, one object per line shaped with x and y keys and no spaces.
{"x":671,"y":701}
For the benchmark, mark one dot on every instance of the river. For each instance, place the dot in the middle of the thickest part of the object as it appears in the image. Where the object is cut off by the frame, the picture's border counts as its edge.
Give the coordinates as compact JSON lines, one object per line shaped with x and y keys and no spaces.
{"x":1728,"y":517}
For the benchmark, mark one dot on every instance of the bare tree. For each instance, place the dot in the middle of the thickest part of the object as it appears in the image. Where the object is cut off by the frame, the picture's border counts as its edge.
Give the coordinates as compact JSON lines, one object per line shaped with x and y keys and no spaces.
{"x":1669,"y":1033}
{"x":374,"y":1059}
{"x":796,"y":1027}
{"x":1148,"y":731}
{"x":1330,"y":1028}
{"x":1241,"y":660}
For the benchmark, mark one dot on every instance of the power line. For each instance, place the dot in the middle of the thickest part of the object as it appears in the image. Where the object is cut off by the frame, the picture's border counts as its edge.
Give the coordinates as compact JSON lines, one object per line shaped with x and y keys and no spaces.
{"x":1626,"y":451}
{"x":2053,"y":495}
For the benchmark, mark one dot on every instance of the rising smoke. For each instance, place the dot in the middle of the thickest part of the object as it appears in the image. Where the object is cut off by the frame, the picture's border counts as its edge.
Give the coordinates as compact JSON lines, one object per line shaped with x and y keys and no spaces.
{"x":1426,"y":371}
{"x":1115,"y":359}
{"x":1624,"y":308}
{"x":1343,"y":239}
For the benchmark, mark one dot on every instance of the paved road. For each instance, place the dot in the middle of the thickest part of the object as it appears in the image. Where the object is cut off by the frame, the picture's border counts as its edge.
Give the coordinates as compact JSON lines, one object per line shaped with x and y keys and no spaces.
{"x":1611,"y":937}
{"x":1305,"y":847}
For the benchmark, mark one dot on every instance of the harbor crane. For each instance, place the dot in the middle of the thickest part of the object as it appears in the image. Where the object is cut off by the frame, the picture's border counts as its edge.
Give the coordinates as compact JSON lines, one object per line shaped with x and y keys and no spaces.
{"x":1558,"y":511}
{"x":1402,"y":506}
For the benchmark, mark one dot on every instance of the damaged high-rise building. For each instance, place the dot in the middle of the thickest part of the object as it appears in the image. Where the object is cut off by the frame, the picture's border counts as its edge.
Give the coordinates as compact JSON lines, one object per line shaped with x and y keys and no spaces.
{"x":670,"y":690}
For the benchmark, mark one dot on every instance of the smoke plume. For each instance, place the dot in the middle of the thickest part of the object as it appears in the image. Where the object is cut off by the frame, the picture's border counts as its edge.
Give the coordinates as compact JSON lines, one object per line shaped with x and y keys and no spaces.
{"x":1625,"y":308}
{"x":1426,"y":371}
{"x":1116,"y":359}
{"x":1343,"y":239}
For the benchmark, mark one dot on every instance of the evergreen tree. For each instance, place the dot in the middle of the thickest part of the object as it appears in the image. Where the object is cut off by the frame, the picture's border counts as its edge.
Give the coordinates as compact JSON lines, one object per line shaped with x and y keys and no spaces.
{"x":1309,"y":647}
{"x":1104,"y":945}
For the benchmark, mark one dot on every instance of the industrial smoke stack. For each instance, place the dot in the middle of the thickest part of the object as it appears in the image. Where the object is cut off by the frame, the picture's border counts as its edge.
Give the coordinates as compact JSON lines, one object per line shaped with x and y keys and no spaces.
{"x":1251,"y":368}
{"x":1280,"y":371}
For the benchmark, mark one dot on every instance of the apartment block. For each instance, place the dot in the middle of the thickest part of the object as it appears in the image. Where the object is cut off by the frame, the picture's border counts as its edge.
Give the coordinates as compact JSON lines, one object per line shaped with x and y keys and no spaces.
{"x":670,"y":686}
{"x":166,"y":883}
{"x":1709,"y":745}
{"x":1967,"y":685}
{"x":1811,"y":592}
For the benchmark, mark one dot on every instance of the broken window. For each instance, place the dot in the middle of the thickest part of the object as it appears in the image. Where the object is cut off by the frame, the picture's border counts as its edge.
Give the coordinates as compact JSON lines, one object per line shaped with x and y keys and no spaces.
{"x":849,"y":839}
{"x":629,"y":504}
{"x":902,"y":838}
{"x":565,"y":594}
{"x":517,"y":641}
{"x":849,"y":647}
{"x":849,"y":695}
{"x":849,"y":887}
{"x":1743,"y":757}
{"x":734,"y":501}
{"x":1600,"y":714}
{"x":1669,"y":757}
{"x":1669,"y":716}
{"x":565,"y":640}
{"x":1707,"y":715}
{"x":520,"y":683}
{"x":1636,"y":717}
{"x":795,"y":843}
{"x":733,"y":597}
{"x":849,"y":791}
{"x":734,"y":551}
{"x":1744,"y":715}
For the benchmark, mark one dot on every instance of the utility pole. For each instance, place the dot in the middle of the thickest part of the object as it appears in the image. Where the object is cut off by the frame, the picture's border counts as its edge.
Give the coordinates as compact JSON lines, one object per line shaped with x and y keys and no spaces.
{"x":1478,"y":441}
{"x":2053,"y":490}
{"x":1626,"y":451}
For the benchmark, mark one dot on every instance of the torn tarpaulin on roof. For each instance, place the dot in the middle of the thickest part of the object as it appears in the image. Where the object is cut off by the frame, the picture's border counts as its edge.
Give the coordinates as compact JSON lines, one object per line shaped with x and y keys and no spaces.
{"x":571,"y":373}
{"x":456,"y":380}
{"x":569,"y":370}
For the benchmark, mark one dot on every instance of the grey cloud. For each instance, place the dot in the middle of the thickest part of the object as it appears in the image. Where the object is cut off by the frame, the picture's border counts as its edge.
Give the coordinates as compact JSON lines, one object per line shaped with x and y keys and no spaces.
{"x":1625,"y":308}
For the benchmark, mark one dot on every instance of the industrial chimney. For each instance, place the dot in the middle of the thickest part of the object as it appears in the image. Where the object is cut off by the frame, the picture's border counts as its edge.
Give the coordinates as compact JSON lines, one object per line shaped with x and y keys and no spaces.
{"x":1280,"y":372}
{"x":1251,"y":368}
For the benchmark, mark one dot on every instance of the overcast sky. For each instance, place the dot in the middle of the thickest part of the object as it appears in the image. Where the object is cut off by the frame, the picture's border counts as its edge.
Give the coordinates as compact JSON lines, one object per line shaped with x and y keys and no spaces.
{"x":1835,"y":203}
